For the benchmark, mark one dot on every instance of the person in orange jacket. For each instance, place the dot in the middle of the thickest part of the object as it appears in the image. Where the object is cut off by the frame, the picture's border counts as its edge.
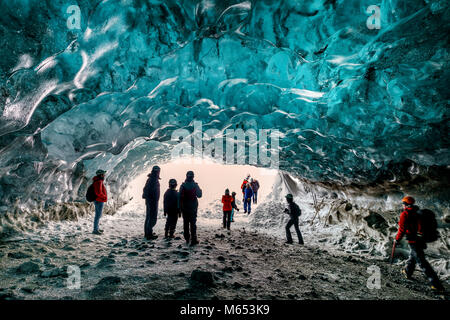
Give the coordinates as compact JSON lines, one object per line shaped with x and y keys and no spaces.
{"x":409,"y":226}
{"x":227,"y":208}
{"x":100,"y":198}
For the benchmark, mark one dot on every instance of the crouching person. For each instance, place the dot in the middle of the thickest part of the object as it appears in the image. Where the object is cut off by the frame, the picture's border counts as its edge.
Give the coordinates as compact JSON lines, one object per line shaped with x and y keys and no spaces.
{"x":100,"y":199}
{"x":171,"y":209}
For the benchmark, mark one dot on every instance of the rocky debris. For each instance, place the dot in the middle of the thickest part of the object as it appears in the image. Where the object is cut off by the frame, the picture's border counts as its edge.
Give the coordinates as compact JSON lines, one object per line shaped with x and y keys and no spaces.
{"x":8,"y":296}
{"x":110,"y":280}
{"x":27,"y":290}
{"x":27,"y":268}
{"x":132,"y":254}
{"x":105,"y":262}
{"x":56,"y":272}
{"x":203,"y":277}
{"x":18,"y":255}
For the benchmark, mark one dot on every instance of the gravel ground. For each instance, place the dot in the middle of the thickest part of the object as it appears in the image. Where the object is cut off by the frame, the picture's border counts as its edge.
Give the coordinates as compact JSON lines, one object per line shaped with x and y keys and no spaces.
{"x":241,"y":264}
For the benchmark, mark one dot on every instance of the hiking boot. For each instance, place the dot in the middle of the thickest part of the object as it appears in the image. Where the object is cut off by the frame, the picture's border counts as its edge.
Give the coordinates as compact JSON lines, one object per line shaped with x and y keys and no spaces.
{"x":405,"y":274}
{"x":152,"y":237}
{"x":301,"y":243}
{"x":194,"y":242}
{"x":171,"y":236}
{"x":100,"y":230}
{"x":166,"y":234}
{"x":96,"y":232}
{"x":289,"y":242}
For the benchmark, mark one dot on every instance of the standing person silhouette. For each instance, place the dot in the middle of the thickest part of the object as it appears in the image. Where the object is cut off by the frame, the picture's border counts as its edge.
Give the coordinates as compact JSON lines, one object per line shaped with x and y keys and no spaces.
{"x":294,"y":213}
{"x":189,"y":193}
{"x":151,"y":196}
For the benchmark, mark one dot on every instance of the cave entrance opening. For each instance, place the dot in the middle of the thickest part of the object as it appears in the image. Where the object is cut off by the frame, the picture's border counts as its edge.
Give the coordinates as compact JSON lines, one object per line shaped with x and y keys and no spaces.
{"x":212,"y":177}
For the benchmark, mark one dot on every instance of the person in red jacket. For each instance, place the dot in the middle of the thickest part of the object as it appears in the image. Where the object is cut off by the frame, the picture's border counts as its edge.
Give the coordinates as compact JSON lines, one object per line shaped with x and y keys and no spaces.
{"x":409,"y":226}
{"x":100,"y":198}
{"x":227,"y":208}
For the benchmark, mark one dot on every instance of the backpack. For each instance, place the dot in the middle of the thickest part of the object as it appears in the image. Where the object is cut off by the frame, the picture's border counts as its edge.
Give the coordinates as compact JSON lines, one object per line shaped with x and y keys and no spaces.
{"x":428,"y":224}
{"x":90,"y":193}
{"x":297,"y":208}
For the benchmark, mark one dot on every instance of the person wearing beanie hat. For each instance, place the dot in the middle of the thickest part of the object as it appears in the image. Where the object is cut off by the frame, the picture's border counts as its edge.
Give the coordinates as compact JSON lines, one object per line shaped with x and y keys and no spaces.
{"x":151,"y":195}
{"x":171,"y":209}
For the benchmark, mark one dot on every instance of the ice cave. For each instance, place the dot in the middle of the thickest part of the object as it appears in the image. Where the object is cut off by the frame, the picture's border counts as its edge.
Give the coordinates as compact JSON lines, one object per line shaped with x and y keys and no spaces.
{"x":356,"y":90}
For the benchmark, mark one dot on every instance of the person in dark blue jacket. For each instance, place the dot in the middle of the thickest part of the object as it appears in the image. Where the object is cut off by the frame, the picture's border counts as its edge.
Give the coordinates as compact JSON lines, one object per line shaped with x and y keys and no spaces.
{"x":171,"y":209}
{"x":151,"y":196}
{"x":248,"y":193}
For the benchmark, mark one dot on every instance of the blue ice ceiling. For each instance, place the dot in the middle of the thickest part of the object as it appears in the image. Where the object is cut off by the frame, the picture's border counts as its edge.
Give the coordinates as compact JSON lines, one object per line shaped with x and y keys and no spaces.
{"x":355,"y":105}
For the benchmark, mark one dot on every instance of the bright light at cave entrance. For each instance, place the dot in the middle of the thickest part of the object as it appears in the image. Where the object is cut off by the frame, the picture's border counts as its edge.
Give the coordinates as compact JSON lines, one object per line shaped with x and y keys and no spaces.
{"x":213,"y":178}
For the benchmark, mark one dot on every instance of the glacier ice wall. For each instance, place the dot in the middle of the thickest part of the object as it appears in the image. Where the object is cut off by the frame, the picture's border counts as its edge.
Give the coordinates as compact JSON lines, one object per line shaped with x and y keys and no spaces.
{"x":359,"y":108}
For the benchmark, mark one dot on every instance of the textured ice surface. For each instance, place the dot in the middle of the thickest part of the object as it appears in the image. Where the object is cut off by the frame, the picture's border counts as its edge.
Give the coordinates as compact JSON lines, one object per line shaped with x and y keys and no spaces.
{"x":355,"y":105}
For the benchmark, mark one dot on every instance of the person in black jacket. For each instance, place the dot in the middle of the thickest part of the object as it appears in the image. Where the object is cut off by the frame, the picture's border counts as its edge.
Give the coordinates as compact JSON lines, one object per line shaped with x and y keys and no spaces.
{"x":151,"y":195}
{"x":171,"y":208}
{"x":233,"y":205}
{"x":189,"y":192}
{"x":294,"y":212}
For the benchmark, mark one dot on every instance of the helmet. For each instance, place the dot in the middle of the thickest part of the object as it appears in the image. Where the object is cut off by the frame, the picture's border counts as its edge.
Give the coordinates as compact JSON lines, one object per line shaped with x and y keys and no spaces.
{"x":99,"y":172}
{"x":172,"y":183}
{"x":190,"y":174}
{"x":408,"y":200}
{"x":227,"y":191}
{"x":156,"y":168}
{"x":289,"y":196}
{"x":251,"y":179}
{"x":233,"y":193}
